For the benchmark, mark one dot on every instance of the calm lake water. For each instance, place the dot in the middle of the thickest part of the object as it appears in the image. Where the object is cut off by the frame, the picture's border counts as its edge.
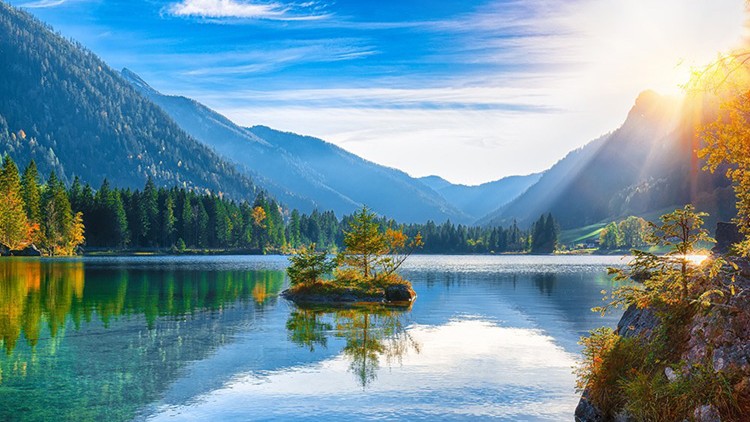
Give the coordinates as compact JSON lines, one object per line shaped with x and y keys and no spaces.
{"x":208,"y":338}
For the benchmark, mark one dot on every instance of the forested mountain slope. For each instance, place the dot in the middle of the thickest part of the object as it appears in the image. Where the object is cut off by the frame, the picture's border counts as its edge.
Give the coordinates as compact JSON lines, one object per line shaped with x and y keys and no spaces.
{"x":303,"y":171}
{"x":647,"y":165}
{"x":65,"y":108}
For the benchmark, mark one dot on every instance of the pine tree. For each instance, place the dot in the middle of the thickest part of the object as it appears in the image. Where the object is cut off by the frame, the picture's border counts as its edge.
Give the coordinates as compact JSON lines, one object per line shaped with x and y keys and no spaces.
{"x":364,"y":242}
{"x":15,"y":231}
{"x":57,"y":222}
{"x":150,"y":213}
{"x":167,"y":221}
{"x":31,"y":194}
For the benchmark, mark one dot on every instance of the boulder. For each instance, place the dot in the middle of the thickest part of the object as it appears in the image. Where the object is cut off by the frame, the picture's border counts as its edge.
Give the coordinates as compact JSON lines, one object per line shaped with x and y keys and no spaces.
{"x":706,"y":413}
{"x":637,"y":322}
{"x":727,"y":235}
{"x":587,"y":412}
{"x":399,"y":293}
{"x":30,"y":250}
{"x":4,"y":250}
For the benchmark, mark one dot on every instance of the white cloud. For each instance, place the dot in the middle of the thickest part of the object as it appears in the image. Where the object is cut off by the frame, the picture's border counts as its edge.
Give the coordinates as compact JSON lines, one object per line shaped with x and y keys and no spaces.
{"x":241,"y":9}
{"x":540,"y":79}
{"x":43,"y":3}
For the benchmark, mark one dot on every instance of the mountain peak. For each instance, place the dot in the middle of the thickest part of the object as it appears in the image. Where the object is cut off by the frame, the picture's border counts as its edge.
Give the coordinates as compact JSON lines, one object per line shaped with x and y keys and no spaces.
{"x":653,"y":106}
{"x":136,"y":80}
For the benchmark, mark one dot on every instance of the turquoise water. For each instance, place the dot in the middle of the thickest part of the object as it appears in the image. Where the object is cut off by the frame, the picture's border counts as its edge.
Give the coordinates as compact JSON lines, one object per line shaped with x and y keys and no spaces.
{"x":208,"y":338}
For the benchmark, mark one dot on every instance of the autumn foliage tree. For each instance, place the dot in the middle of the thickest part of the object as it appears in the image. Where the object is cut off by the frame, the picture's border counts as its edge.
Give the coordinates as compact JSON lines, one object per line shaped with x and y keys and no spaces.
{"x":374,"y":252}
{"x":15,"y":230}
{"x":29,"y":213}
{"x":727,"y":141}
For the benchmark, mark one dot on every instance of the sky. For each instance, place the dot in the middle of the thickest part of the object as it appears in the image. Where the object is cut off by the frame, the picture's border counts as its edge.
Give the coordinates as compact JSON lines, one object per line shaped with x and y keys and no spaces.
{"x":471,"y":90}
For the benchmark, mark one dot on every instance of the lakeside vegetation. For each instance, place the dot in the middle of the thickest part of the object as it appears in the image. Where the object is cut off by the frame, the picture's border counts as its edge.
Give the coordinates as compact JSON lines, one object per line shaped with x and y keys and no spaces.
{"x":668,"y":360}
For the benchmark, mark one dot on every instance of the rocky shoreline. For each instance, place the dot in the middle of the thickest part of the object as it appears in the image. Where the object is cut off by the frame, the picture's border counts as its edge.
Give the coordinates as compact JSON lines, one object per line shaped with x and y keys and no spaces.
{"x":718,"y":338}
{"x":393,"y":295}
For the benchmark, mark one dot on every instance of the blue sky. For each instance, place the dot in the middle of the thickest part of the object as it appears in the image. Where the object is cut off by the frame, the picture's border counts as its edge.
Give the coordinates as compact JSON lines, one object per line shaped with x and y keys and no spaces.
{"x":469,"y":90}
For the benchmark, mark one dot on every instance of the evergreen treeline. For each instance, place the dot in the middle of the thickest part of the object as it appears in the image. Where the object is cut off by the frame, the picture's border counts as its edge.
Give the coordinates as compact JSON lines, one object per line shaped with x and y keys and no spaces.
{"x":176,"y":218}
{"x":544,"y":234}
{"x":53,"y":218}
{"x":448,"y":238}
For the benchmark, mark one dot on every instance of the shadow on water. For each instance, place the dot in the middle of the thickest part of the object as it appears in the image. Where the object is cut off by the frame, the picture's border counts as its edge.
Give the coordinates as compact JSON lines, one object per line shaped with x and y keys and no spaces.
{"x":372,"y":334}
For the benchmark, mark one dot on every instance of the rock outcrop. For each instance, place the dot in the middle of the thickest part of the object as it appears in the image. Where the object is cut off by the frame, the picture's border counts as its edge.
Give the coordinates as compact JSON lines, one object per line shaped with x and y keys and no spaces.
{"x":727,"y":235}
{"x":719,"y":337}
{"x":400,"y":294}
{"x":30,"y":250}
{"x":633,"y":323}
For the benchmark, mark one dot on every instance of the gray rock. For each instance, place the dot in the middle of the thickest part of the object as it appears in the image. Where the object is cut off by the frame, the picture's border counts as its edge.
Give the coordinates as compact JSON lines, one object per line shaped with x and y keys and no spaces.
{"x":399,"y":293}
{"x":30,"y":250}
{"x":4,"y":250}
{"x":706,"y":413}
{"x":670,"y":374}
{"x":727,"y":235}
{"x":623,"y":416}
{"x":637,"y":322}
{"x":587,"y":412}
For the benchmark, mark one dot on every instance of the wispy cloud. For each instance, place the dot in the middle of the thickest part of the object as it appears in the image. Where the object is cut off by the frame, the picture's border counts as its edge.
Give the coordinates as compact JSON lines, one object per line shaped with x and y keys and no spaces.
{"x":259,"y":62}
{"x":507,"y":99}
{"x":246,"y":10}
{"x":42,"y":4}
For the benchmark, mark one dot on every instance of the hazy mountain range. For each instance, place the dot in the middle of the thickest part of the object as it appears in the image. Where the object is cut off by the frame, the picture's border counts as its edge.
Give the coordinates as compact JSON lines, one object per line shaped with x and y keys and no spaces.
{"x":69,"y":111}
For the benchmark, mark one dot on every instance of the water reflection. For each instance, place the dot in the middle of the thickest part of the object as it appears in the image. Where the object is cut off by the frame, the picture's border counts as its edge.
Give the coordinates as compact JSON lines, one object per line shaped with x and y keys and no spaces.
{"x":371,"y":333}
{"x":465,"y":369}
{"x":98,"y":342}
{"x":206,"y":338}
{"x":35,"y":293}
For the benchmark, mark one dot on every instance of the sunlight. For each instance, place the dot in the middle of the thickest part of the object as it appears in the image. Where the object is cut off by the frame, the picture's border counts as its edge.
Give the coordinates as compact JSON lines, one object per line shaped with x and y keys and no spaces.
{"x":695,"y":258}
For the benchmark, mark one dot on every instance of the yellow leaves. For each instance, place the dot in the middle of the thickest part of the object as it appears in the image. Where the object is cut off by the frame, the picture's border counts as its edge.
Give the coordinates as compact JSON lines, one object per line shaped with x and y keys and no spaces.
{"x":396,"y":238}
{"x":76,"y":236}
{"x":259,"y":216}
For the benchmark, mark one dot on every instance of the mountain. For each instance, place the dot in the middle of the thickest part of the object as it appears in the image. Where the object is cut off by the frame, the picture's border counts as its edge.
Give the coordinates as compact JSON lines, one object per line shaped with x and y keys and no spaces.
{"x":478,"y":201}
{"x":646,"y":166}
{"x":65,"y":108}
{"x":306,"y":172}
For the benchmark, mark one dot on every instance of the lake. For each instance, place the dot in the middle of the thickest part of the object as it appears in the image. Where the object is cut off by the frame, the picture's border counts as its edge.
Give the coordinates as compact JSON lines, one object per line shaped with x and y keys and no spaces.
{"x":208,"y":338}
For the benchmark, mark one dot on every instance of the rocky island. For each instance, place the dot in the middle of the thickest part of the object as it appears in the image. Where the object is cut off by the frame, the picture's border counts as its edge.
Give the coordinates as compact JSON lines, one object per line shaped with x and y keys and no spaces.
{"x":363,"y":273}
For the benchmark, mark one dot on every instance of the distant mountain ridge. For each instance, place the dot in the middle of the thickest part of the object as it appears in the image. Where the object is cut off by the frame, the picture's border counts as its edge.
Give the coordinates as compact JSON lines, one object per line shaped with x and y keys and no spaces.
{"x":65,"y":108}
{"x":478,"y":201}
{"x":306,"y":172}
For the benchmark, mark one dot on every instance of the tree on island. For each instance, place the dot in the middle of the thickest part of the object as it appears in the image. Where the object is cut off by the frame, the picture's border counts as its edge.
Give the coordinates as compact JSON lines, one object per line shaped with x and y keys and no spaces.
{"x":372,"y":252}
{"x":366,"y":267}
{"x":309,"y":265}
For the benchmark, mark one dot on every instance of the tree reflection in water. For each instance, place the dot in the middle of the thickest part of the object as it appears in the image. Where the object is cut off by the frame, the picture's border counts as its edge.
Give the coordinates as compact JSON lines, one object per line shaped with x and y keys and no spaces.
{"x":37,"y":293}
{"x":371,"y":333}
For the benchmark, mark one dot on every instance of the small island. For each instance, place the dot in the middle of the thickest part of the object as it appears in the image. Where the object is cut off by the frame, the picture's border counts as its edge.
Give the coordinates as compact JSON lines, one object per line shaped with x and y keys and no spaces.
{"x":363,"y":273}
